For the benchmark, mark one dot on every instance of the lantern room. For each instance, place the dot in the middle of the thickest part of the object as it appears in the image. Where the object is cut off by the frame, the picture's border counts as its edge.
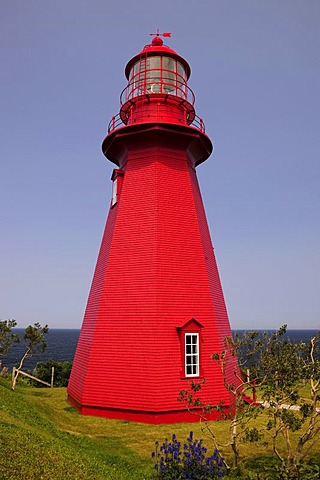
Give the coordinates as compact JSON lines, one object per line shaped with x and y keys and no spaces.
{"x":157,"y":69}
{"x":157,"y":89}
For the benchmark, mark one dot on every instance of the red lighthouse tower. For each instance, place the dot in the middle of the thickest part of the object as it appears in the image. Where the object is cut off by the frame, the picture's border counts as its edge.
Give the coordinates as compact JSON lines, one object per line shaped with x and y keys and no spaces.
{"x":156,"y":311}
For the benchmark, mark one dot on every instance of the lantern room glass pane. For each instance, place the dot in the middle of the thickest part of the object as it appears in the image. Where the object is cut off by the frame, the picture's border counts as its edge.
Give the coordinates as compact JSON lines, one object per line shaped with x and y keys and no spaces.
{"x":157,"y":74}
{"x":153,"y":63}
{"x":136,"y":76}
{"x":153,"y":75}
{"x":169,"y":79}
{"x":168,"y":63}
{"x":181,"y":80}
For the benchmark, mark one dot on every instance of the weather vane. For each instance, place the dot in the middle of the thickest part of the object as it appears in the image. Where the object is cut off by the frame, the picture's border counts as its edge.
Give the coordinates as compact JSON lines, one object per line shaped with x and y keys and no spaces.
{"x":164,"y":34}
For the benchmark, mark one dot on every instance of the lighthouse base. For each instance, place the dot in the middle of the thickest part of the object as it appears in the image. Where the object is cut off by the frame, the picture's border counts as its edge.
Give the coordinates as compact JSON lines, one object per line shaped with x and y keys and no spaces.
{"x":152,"y":418}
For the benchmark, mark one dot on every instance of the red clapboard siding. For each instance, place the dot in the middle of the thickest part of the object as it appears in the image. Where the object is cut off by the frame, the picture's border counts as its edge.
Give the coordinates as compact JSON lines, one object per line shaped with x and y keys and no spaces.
{"x":156,"y":270}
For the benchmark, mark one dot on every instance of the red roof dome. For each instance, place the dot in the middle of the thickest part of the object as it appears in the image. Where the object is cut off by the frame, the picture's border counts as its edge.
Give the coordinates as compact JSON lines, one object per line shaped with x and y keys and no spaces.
{"x":157,"y":48}
{"x":157,"y":41}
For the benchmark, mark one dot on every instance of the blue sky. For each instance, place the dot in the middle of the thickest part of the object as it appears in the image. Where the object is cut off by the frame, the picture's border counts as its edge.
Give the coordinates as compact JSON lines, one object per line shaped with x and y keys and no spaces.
{"x":255,"y":73}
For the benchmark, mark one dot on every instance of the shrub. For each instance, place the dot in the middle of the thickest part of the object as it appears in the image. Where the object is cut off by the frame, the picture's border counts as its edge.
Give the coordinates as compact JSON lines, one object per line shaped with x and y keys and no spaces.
{"x":7,"y":338}
{"x":176,"y":461}
{"x":61,"y":372}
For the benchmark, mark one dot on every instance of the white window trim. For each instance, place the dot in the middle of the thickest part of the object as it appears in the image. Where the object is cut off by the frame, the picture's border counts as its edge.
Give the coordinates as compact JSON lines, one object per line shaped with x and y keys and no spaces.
{"x":114,"y":198}
{"x":187,"y":355}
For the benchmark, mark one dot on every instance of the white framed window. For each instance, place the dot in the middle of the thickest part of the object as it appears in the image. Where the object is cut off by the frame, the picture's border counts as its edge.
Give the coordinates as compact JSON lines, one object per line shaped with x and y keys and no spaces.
{"x":191,"y":341}
{"x":114,"y":192}
{"x":117,"y":181}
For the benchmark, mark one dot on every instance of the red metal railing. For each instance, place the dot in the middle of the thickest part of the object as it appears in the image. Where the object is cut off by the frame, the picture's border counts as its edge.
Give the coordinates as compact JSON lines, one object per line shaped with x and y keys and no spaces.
{"x":116,"y":123}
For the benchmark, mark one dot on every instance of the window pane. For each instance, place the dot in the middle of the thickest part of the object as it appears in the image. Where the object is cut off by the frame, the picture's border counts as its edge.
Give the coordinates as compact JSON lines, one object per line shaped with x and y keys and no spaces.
{"x":153,"y":62}
{"x":138,"y":78}
{"x":168,"y":63}
{"x":114,"y":192}
{"x":169,"y":75}
{"x":181,"y":71}
{"x":181,"y":81}
{"x":153,"y":76}
{"x":192,"y":354}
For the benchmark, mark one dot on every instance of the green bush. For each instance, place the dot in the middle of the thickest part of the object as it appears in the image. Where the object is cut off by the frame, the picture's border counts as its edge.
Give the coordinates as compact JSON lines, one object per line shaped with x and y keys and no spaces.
{"x":61,"y":372}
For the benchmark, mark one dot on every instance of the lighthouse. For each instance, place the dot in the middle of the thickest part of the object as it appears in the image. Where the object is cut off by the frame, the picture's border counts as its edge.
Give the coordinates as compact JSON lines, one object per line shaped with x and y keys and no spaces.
{"x":156,"y":310}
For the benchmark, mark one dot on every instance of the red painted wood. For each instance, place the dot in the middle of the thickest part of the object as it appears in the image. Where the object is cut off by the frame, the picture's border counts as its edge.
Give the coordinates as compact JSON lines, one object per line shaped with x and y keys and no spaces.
{"x":156,"y":271}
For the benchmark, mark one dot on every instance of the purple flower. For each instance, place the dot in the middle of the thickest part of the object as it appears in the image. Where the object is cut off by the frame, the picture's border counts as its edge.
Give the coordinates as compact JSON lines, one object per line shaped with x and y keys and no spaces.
{"x":187,"y":460}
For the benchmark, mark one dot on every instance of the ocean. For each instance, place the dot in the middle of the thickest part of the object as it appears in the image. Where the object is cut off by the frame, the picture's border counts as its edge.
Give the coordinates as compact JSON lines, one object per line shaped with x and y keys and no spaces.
{"x":62,"y":344}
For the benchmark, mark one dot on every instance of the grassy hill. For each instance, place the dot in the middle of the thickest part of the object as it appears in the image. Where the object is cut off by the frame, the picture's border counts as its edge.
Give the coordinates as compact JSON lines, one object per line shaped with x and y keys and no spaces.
{"x":43,"y":437}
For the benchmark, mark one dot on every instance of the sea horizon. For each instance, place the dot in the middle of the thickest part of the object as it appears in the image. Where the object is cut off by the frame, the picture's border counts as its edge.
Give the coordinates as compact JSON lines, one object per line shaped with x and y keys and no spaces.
{"x":62,"y":343}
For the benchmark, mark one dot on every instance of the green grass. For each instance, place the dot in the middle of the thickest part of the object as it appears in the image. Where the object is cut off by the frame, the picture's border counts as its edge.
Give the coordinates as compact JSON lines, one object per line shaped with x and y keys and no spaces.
{"x":43,"y":437}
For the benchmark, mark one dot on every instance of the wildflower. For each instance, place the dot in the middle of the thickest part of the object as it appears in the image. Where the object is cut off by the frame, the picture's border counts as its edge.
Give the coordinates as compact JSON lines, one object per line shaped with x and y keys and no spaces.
{"x":187,"y":460}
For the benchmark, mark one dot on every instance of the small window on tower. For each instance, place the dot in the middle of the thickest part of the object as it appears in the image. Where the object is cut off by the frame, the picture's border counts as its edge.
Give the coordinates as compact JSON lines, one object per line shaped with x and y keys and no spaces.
{"x":190,"y":338}
{"x":114,"y":192}
{"x":117,"y":181}
{"x":191,"y":354}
